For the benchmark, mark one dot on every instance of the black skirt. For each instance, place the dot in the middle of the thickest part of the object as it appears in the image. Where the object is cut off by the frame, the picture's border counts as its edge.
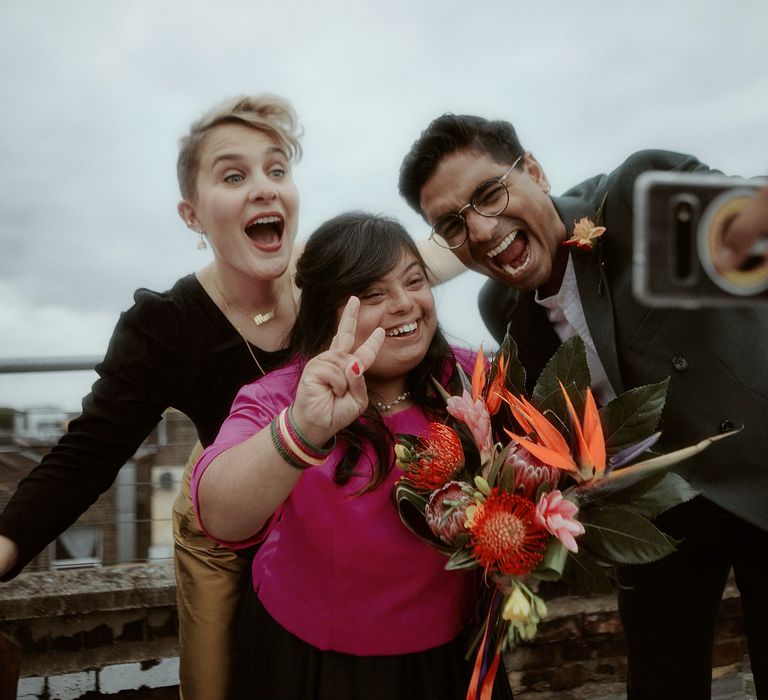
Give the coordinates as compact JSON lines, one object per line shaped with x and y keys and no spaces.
{"x":273,"y":664}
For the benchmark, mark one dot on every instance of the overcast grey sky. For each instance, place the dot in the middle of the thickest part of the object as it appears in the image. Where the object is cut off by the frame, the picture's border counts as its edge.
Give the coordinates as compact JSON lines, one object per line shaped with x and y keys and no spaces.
{"x":95,"y":95}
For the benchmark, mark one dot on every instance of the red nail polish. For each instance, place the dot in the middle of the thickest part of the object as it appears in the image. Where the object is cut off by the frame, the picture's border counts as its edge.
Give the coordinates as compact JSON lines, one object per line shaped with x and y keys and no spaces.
{"x":356,"y":368}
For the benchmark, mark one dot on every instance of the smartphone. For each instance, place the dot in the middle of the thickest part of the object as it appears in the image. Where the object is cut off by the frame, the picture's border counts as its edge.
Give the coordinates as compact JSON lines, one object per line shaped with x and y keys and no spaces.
{"x":679,"y":222}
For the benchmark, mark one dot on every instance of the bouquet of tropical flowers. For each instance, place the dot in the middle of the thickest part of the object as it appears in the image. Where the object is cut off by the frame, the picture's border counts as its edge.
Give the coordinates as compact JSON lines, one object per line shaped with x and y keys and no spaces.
{"x":562,"y":490}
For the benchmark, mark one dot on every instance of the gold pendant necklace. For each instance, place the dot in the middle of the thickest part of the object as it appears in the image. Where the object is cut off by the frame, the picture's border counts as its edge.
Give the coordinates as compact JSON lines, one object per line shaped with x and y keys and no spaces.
{"x":258,"y":319}
{"x":271,"y":315}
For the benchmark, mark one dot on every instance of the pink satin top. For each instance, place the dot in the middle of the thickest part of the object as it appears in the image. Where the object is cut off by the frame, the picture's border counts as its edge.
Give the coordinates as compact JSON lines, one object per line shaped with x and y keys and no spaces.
{"x":337,"y":569}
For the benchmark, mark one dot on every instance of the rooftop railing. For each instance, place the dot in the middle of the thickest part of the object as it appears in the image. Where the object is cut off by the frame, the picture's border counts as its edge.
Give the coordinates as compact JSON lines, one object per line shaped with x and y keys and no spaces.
{"x":19,"y":365}
{"x":104,"y":624}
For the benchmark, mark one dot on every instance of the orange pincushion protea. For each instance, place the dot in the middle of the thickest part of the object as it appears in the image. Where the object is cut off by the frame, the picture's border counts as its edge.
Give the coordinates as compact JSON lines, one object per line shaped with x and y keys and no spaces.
{"x":505,"y":536}
{"x":433,"y":460}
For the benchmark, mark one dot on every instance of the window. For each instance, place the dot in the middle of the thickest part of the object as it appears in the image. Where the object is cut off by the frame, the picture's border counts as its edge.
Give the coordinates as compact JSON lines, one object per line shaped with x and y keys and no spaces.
{"x":80,"y":546}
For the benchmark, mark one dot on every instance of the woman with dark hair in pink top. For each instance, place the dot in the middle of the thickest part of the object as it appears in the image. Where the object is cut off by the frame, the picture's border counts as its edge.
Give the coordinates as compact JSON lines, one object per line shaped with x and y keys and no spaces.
{"x":346,"y":602}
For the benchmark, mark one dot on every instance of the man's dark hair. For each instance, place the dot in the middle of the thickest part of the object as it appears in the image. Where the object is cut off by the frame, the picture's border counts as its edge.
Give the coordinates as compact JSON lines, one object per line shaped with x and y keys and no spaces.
{"x":448,"y":134}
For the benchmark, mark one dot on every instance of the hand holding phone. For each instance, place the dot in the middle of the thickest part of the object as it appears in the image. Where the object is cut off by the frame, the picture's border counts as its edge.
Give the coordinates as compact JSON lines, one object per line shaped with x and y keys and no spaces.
{"x":680,"y":255}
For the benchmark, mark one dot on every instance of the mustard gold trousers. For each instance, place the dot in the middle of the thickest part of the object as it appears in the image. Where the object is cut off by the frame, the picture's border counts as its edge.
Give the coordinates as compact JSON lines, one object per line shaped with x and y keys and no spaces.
{"x":209,"y":584}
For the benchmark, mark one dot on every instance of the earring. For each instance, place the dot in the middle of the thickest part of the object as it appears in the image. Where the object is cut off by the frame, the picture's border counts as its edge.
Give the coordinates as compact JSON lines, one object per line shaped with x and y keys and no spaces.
{"x":201,"y":244}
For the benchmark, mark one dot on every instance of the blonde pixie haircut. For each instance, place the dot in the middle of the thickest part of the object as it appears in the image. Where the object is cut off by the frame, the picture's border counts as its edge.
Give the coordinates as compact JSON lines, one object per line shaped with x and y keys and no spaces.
{"x":268,"y":113}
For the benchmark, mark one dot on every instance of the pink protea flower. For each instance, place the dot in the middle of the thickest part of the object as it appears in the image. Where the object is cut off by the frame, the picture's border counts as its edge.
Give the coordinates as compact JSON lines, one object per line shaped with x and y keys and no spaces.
{"x":475,"y":415}
{"x":445,"y":511}
{"x":558,"y":516}
{"x":530,"y":472}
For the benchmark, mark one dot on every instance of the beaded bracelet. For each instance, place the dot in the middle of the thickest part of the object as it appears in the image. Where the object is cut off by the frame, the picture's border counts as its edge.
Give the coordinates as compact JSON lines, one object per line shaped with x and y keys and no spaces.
{"x":292,"y":446}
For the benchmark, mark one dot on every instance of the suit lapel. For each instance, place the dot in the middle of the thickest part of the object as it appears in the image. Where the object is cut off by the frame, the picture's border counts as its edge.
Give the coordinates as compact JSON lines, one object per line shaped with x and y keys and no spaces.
{"x":597,"y":303}
{"x":594,"y":291}
{"x":534,"y":335}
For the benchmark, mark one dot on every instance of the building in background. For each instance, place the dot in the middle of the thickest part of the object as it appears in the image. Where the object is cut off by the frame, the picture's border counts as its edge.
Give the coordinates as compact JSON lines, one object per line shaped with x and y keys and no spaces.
{"x":129,"y":522}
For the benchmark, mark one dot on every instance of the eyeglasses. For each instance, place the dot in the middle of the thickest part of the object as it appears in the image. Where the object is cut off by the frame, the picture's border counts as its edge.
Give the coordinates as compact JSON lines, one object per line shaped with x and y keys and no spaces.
{"x":489,"y":199}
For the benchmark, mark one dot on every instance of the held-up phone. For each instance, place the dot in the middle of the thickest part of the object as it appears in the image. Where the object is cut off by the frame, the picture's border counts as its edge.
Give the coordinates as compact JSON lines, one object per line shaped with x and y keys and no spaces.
{"x":679,"y":222}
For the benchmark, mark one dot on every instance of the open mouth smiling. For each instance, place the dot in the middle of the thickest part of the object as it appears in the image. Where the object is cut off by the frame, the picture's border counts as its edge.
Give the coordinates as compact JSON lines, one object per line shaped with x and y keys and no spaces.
{"x":266,"y":231}
{"x":402,"y":331}
{"x":513,"y":253}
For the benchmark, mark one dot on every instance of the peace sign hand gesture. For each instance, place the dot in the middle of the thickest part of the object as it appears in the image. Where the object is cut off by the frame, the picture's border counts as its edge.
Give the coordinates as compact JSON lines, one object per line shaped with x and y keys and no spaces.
{"x":332,"y":392}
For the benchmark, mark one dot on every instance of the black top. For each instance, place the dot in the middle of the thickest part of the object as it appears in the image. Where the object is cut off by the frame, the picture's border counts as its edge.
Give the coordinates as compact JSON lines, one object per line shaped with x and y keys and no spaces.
{"x":175,"y":349}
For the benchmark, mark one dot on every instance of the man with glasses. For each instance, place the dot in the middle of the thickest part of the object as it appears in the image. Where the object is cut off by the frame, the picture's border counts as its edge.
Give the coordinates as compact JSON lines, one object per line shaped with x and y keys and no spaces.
{"x":488,"y":200}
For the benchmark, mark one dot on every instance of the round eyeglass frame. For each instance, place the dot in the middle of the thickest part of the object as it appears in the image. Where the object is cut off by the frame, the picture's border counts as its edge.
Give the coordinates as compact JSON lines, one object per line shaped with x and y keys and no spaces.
{"x":437,"y":237}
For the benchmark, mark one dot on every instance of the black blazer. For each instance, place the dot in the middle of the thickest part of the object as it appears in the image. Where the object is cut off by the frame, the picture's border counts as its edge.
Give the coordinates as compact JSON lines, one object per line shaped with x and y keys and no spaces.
{"x":717,"y":359}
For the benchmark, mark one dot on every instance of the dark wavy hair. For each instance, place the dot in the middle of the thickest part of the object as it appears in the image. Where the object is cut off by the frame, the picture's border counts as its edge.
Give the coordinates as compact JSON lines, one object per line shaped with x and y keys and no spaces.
{"x":446,"y":135}
{"x":342,"y":258}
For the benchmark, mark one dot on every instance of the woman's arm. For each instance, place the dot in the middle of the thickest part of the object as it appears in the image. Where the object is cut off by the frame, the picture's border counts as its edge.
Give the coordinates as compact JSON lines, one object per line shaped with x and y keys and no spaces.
{"x":241,"y":488}
{"x":9,"y":553}
{"x":124,"y":406}
{"x":442,"y":264}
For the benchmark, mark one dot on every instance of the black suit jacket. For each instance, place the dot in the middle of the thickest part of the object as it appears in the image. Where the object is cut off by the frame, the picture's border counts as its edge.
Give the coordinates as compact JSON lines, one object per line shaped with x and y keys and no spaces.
{"x":717,"y":359}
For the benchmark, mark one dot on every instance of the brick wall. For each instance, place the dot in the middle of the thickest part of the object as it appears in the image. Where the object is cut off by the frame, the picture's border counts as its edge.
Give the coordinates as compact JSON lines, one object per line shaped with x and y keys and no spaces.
{"x":92,"y":632}
{"x":579,"y":651}
{"x":111,"y":631}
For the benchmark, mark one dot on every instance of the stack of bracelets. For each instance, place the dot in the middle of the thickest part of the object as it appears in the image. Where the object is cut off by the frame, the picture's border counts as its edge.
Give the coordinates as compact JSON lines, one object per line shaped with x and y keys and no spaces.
{"x":292,"y":446}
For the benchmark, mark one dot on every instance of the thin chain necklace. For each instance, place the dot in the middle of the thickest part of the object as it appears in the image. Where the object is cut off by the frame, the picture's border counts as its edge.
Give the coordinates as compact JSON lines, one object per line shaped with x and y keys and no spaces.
{"x":258,"y":319}
{"x":384,"y":407}
{"x":239,"y":332}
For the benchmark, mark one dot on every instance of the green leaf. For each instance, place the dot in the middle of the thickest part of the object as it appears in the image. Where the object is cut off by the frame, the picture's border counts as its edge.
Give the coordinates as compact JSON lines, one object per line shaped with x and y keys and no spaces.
{"x":466,"y":382}
{"x":650,"y":498}
{"x":407,"y":439}
{"x":626,"y":476}
{"x":515,"y":371}
{"x":632,"y":416}
{"x":569,"y":366}
{"x":506,"y":478}
{"x":610,"y":493}
{"x":584,"y":575}
{"x":410,"y":507}
{"x":403,"y":491}
{"x":497,"y":462}
{"x":553,"y":564}
{"x":462,"y":540}
{"x":461,"y":559}
{"x":440,"y":389}
{"x":617,"y":535}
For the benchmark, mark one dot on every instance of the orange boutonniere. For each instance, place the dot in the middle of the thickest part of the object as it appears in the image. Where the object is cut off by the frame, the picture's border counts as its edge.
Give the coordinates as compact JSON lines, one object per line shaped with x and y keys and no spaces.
{"x":585,"y":235}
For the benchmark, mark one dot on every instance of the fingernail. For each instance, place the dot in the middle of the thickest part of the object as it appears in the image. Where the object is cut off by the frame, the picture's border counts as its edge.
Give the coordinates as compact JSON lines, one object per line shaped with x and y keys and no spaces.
{"x":356,"y":368}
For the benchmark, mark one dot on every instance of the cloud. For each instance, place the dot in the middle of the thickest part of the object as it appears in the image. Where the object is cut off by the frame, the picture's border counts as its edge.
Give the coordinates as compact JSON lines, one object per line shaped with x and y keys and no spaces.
{"x":95,"y":96}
